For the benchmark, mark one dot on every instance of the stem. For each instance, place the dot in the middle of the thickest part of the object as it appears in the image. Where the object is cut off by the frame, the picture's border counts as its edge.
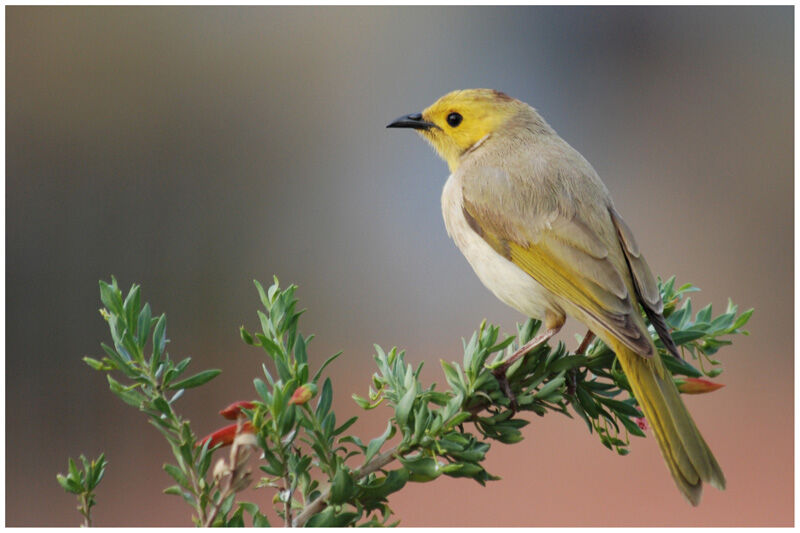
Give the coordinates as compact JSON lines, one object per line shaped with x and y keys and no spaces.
{"x":287,"y":504}
{"x":87,"y":519}
{"x":227,"y":486}
{"x":198,"y":496}
{"x":224,"y":493}
{"x":330,"y":463}
{"x":319,"y":504}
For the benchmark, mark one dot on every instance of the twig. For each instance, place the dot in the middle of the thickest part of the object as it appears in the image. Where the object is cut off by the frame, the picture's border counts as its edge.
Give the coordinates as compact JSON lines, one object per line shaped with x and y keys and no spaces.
{"x":235,"y":479}
{"x":319,"y":504}
{"x":287,"y":502}
{"x":85,"y":511}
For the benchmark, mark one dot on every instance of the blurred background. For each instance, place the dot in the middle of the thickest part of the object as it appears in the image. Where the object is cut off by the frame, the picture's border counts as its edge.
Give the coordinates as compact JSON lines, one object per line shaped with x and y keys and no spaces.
{"x":192,"y":150}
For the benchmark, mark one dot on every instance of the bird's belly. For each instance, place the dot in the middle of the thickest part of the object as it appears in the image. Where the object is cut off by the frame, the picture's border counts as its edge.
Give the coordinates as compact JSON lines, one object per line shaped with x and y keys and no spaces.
{"x":508,"y":282}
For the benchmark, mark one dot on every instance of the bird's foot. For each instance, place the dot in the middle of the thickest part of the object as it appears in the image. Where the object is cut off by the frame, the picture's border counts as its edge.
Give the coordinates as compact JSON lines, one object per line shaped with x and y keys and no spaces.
{"x":501,"y":370}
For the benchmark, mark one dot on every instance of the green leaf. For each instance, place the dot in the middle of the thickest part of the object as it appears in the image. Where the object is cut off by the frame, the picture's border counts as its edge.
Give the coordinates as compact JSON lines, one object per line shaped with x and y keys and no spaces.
{"x":263,"y":391}
{"x":300,"y":354}
{"x":329,"y":518}
{"x":273,"y":349}
{"x":507,"y":434}
{"x":195,"y":381}
{"x":501,"y":345}
{"x":162,"y":405}
{"x":180,"y":367}
{"x":159,"y":338}
{"x":69,"y":485}
{"x":120,"y":363}
{"x":568,"y":362}
{"x":686,"y":335}
{"x":403,"y":407}
{"x":380,"y":488}
{"x":174,"y":489}
{"x":463,"y":469}
{"x":632,"y":427}
{"x":458,"y":418}
{"x":421,"y":468}
{"x":131,"y":306}
{"x":246,"y":337}
{"x":284,"y":373}
{"x":363,"y":402}
{"x":97,"y":471}
{"x":325,"y":400}
{"x":226,"y":506}
{"x":620,"y":407}
{"x":341,"y":429}
{"x":143,"y":325}
{"x":452,"y":376}
{"x":586,"y":402}
{"x":259,"y":520}
{"x":422,"y":418}
{"x":328,"y":424}
{"x":743,"y":319}
{"x":679,"y":366}
{"x":551,"y":386}
{"x":126,"y":394}
{"x":328,"y":361}
{"x":342,"y":487}
{"x":176,"y":474}
{"x":578,"y":408}
{"x":95,"y":364}
{"x":111,"y":296}
{"x":354,"y":440}
{"x":375,"y":444}
{"x":236,"y":519}
{"x":704,"y":315}
{"x":262,"y":295}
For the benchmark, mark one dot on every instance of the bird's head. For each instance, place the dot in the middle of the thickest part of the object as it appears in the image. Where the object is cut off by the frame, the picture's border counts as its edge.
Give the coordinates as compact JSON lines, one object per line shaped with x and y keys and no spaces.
{"x":459,"y":120}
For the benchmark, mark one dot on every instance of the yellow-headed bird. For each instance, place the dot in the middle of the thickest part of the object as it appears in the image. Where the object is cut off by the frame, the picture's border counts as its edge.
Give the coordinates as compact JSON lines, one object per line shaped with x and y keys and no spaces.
{"x":541,"y":232}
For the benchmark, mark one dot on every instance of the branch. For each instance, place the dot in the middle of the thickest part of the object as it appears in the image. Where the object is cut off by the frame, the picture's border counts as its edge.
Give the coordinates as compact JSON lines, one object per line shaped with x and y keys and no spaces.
{"x":322,"y":501}
{"x":444,"y":430}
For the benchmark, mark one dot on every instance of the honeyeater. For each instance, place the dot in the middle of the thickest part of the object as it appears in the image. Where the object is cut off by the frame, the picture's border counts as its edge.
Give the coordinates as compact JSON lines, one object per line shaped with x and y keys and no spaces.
{"x":539,"y":228}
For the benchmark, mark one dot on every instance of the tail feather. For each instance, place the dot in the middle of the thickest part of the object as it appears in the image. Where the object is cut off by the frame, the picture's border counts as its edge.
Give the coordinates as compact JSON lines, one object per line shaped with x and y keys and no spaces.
{"x":687,"y":455}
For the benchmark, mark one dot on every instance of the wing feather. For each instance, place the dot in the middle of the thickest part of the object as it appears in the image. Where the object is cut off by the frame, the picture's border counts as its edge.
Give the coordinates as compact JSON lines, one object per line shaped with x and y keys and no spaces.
{"x":561,"y":251}
{"x":644,"y":282}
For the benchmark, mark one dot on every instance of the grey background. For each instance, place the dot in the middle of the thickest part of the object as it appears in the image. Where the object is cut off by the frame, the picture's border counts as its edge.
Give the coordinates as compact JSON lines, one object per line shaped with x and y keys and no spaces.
{"x":193,"y":149}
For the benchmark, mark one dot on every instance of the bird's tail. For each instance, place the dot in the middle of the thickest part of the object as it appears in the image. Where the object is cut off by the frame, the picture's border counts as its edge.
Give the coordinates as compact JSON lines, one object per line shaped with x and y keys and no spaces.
{"x":687,"y":455}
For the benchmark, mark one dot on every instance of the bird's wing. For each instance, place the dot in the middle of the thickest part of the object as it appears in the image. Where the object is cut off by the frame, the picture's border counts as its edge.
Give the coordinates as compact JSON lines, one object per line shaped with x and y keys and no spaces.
{"x":644,"y":282}
{"x":562,"y":252}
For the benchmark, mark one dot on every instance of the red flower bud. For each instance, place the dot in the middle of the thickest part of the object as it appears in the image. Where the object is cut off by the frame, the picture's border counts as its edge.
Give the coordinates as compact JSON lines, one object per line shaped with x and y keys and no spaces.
{"x":641,"y":421}
{"x":225,"y":435}
{"x":302,"y":394}
{"x":233,"y":411}
{"x":696,"y":385}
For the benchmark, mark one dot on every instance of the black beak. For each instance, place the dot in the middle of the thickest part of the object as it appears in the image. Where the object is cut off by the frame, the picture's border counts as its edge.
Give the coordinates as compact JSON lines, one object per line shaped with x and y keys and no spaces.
{"x":414,"y":121}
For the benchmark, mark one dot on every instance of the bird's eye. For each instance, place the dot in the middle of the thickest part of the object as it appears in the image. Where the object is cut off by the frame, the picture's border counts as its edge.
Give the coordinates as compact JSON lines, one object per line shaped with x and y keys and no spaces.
{"x":454,"y":119}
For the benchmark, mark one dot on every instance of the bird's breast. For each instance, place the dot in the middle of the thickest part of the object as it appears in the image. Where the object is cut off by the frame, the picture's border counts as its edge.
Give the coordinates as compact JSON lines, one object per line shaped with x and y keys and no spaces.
{"x":507,"y":281}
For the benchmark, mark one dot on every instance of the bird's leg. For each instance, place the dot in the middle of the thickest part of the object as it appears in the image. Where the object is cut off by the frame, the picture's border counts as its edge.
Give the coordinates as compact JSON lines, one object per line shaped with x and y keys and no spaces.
{"x":553,"y":327}
{"x":587,"y":340}
{"x":572,"y":374}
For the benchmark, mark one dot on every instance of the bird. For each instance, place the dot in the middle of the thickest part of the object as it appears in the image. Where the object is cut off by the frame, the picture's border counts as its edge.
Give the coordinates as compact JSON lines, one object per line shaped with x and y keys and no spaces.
{"x":540,"y":230}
